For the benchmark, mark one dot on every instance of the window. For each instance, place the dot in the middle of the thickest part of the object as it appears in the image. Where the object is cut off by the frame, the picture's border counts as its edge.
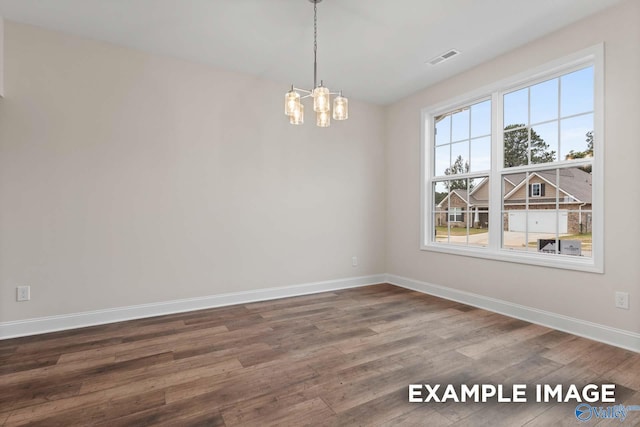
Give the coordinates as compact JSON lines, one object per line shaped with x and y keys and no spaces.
{"x":515,"y":173}
{"x":536,"y":190}
{"x":455,"y":215}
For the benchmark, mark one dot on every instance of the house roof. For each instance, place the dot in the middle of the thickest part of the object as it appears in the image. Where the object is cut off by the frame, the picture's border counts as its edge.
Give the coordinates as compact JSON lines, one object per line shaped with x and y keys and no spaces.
{"x":466,"y":197}
{"x":574,"y":182}
{"x":463,"y":194}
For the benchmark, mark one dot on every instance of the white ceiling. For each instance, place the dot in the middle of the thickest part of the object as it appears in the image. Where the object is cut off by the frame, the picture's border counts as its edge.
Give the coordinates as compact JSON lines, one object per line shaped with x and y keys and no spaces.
{"x":374,"y":50}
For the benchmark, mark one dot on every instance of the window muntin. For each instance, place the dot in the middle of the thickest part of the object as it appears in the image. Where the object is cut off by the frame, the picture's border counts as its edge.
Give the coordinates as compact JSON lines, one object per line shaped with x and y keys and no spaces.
{"x":551,"y":126}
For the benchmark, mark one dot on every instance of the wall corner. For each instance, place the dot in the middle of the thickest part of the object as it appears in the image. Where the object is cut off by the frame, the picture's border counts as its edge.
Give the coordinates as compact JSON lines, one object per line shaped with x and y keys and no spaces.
{"x":1,"y":57}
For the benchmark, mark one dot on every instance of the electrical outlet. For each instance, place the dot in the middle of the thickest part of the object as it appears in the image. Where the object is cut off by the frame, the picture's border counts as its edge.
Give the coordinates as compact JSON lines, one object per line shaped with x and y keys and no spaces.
{"x":622,"y":300}
{"x":354,"y":261}
{"x":23,"y":293}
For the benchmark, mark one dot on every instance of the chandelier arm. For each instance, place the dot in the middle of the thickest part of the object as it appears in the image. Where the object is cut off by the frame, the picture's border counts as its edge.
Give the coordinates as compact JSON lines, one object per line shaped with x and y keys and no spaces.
{"x":303,"y":90}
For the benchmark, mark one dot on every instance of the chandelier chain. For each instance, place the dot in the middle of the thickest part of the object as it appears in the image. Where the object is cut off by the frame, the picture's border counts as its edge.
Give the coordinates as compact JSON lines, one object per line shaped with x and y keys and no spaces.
{"x":315,"y":44}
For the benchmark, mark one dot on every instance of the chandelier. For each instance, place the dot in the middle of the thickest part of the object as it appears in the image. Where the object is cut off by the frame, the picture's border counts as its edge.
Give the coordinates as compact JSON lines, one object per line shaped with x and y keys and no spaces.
{"x":321,"y":95}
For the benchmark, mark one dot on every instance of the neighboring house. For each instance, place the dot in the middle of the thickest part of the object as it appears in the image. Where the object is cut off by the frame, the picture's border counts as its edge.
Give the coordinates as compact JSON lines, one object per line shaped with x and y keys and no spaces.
{"x":563,"y":202}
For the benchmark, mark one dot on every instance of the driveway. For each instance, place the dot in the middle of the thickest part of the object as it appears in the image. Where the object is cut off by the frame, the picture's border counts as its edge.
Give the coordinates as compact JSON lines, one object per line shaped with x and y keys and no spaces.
{"x":515,"y":240}
{"x":512,"y":239}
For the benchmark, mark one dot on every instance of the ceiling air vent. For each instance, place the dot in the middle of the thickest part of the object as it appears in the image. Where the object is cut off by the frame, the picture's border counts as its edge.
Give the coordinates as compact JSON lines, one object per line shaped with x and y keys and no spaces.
{"x":441,"y":58}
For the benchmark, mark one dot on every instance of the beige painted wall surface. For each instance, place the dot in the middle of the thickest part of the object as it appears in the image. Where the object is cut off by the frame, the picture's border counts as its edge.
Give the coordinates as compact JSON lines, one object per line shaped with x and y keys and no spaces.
{"x":129,"y":178}
{"x":580,"y":295}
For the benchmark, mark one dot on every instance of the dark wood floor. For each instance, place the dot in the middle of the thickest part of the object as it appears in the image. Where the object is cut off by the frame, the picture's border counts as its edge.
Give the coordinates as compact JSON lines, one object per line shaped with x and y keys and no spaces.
{"x":337,"y":358}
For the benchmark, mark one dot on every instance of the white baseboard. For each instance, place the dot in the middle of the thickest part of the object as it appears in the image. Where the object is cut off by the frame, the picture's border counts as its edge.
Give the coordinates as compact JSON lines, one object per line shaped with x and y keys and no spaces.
{"x":617,"y":337}
{"x":42,"y":325}
{"x":608,"y":335}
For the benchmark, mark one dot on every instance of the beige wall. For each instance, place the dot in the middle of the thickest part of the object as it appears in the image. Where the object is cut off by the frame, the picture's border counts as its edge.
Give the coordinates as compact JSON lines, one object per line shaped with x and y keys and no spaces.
{"x":581,"y":295}
{"x":129,"y":178}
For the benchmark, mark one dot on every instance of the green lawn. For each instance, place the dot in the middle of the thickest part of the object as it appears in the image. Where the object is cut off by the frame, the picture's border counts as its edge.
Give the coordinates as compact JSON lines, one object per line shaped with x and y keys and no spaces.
{"x":459,"y":231}
{"x":586,"y":237}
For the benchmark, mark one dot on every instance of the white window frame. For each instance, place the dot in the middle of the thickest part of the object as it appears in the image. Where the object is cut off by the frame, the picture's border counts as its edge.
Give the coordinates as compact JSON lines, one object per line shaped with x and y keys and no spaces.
{"x":591,"y":56}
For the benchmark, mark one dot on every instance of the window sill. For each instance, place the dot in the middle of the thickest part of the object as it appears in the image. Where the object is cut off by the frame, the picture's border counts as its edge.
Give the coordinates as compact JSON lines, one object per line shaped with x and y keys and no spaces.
{"x":565,"y":262}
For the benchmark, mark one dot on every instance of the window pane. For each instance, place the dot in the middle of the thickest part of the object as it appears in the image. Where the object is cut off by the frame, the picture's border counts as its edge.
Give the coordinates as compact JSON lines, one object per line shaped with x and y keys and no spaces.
{"x":516,"y":147}
{"x":514,"y":240}
{"x":545,"y":181}
{"x":544,"y":101}
{"x":576,"y":92}
{"x":531,"y":230}
{"x":480,"y":154}
{"x":479,"y":189}
{"x":460,"y":213}
{"x":575,"y":140}
{"x":459,"y":158}
{"x":442,"y":160}
{"x":439,"y":195}
{"x":443,"y":130}
{"x":481,"y":119}
{"x":544,"y":143}
{"x":479,"y":211}
{"x":460,"y":125}
{"x":441,"y":232}
{"x":543,"y":208}
{"x":578,"y":240}
{"x":516,"y":108}
{"x":574,"y":185}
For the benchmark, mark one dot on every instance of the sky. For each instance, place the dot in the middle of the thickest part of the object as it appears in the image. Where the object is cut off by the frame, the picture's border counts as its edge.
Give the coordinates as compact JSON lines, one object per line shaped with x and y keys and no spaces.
{"x":560,"y":110}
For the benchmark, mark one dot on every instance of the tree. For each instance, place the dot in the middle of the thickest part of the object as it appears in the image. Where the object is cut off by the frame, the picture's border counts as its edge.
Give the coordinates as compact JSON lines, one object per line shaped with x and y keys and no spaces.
{"x":582,"y":154}
{"x":459,"y":166}
{"x":517,"y":146}
{"x":439,"y":196}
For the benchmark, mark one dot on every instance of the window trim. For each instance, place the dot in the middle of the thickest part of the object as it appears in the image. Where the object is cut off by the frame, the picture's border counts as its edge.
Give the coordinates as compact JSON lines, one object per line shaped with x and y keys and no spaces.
{"x":593,"y":55}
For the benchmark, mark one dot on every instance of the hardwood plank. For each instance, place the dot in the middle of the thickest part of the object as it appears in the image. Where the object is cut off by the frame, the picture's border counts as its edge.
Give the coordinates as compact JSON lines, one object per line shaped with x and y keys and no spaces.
{"x":418,"y":416}
{"x":196,"y":411}
{"x":95,"y":414}
{"x":94,"y":392}
{"x":336,"y":358}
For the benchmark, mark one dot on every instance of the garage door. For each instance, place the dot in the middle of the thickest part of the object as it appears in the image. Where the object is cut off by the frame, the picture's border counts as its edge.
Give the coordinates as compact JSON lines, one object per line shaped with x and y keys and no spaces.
{"x":538,"y":221}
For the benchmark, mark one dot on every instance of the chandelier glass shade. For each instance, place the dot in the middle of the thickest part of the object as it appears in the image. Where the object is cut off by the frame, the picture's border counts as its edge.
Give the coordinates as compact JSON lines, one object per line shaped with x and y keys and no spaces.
{"x":321,"y":95}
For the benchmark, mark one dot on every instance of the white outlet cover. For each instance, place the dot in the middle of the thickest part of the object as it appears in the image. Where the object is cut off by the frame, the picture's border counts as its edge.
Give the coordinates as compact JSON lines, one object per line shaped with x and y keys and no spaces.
{"x":23,"y":293}
{"x":622,"y":300}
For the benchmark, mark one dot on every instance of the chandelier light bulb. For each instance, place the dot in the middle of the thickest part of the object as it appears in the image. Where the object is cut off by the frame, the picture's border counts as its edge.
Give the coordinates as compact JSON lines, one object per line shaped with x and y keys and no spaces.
{"x":297,"y":118}
{"x":321,"y":103}
{"x":340,"y":108}
{"x":323,"y":119}
{"x":291,"y":102}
